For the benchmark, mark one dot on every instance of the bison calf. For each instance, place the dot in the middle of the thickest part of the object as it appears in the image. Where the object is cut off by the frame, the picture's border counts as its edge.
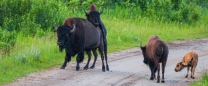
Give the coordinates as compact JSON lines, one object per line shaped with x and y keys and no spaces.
{"x":189,"y":60}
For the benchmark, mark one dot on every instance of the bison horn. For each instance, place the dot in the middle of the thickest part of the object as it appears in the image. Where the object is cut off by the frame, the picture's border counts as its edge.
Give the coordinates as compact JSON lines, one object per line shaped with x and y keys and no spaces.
{"x":55,"y":26}
{"x":101,"y":11}
{"x":85,"y":11}
{"x":74,"y":28}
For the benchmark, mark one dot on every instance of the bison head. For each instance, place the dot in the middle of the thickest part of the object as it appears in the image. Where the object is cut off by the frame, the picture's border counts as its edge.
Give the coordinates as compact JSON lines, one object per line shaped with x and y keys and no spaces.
{"x":94,"y":17}
{"x":146,"y":61}
{"x":179,"y":67}
{"x":64,"y":34}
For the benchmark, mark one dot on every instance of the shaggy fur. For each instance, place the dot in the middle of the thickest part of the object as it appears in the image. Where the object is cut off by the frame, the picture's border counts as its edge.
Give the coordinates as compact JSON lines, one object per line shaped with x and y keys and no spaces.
{"x":189,"y":60}
{"x":83,"y":37}
{"x":155,"y":52}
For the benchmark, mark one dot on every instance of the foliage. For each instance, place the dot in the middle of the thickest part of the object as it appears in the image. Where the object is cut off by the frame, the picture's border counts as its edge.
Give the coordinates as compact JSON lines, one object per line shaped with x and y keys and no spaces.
{"x":37,"y":16}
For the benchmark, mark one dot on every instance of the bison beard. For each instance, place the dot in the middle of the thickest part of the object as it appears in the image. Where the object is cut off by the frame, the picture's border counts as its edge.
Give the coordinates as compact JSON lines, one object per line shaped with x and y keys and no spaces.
{"x":155,"y":52}
{"x":82,"y":37}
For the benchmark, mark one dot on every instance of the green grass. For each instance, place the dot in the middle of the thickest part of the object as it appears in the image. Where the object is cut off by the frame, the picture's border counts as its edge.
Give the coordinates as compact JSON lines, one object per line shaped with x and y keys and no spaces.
{"x":31,"y":54}
{"x":124,"y":34}
{"x":202,"y":82}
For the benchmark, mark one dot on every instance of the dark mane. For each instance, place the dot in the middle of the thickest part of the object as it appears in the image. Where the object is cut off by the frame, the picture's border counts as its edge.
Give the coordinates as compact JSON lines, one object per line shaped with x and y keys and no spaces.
{"x":93,"y":7}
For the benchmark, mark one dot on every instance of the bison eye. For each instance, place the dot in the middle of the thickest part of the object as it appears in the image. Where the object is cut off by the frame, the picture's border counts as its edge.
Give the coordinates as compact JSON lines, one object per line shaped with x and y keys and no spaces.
{"x":177,"y":65}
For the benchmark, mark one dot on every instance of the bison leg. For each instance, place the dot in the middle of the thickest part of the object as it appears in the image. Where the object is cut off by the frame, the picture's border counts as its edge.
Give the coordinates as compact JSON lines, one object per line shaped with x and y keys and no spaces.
{"x":102,"y":58}
{"x":164,"y":60}
{"x":64,"y":64}
{"x":163,"y":71}
{"x":192,"y":72}
{"x":67,"y":59}
{"x":79,"y":59}
{"x":187,"y":72}
{"x":158,"y":71}
{"x":105,"y":52}
{"x":158,"y":74}
{"x":88,"y":61}
{"x":95,"y":58}
{"x":153,"y":69}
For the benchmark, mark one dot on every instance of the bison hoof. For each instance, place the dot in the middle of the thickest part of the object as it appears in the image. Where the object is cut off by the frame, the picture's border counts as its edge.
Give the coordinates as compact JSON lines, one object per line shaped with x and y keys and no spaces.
{"x":158,"y":81}
{"x":85,"y":68}
{"x":163,"y":81}
{"x":186,"y":76}
{"x":151,"y":78}
{"x":62,"y":68}
{"x":192,"y":77}
{"x":107,"y":68}
{"x":77,"y":68}
{"x":103,"y":70}
{"x":92,"y":67}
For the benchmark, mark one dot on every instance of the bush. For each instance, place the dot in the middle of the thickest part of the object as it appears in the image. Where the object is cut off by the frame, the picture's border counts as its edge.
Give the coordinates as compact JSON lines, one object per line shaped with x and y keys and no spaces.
{"x":35,"y":17}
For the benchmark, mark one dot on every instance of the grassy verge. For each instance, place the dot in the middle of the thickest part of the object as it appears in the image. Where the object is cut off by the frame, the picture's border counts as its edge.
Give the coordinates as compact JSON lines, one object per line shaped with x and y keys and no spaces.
{"x":202,"y":82}
{"x":35,"y":54}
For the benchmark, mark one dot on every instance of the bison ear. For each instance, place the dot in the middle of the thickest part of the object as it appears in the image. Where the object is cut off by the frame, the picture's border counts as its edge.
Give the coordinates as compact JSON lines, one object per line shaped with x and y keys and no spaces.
{"x":101,"y":11}
{"x":55,"y":27}
{"x":143,"y":48}
{"x":86,"y":13}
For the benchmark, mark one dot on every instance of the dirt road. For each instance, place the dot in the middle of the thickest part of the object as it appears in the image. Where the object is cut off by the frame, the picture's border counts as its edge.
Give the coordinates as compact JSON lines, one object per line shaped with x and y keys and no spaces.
{"x":126,"y":69}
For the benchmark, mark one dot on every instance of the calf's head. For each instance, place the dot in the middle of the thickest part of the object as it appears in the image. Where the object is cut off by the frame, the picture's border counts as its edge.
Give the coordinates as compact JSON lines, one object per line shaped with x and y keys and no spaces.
{"x":179,"y":67}
{"x":64,"y":34}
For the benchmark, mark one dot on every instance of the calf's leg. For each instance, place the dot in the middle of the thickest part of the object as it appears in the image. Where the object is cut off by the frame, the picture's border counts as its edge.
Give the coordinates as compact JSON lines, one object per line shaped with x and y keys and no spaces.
{"x":192,"y":72}
{"x":187,"y":71}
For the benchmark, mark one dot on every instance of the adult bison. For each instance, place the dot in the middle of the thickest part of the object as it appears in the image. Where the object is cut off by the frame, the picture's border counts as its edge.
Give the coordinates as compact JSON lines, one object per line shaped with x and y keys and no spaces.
{"x":77,"y":35}
{"x":94,"y":17}
{"x":190,"y":60}
{"x":155,"y":52}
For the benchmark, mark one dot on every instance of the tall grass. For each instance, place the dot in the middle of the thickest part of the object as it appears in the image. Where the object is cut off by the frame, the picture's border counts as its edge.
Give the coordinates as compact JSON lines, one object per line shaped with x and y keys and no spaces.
{"x":130,"y":33}
{"x":28,"y":55}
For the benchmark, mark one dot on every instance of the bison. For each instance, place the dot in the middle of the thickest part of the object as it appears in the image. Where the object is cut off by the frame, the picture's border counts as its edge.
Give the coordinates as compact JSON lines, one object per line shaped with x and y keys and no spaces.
{"x":155,"y":52}
{"x":77,"y":35}
{"x":189,"y":60}
{"x":94,"y":17}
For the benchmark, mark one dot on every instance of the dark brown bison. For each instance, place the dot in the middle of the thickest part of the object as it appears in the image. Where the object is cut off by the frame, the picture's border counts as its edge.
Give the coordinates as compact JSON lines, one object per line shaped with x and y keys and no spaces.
{"x":94,"y":17}
{"x":77,"y":35}
{"x":155,"y":52}
{"x":189,"y":60}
